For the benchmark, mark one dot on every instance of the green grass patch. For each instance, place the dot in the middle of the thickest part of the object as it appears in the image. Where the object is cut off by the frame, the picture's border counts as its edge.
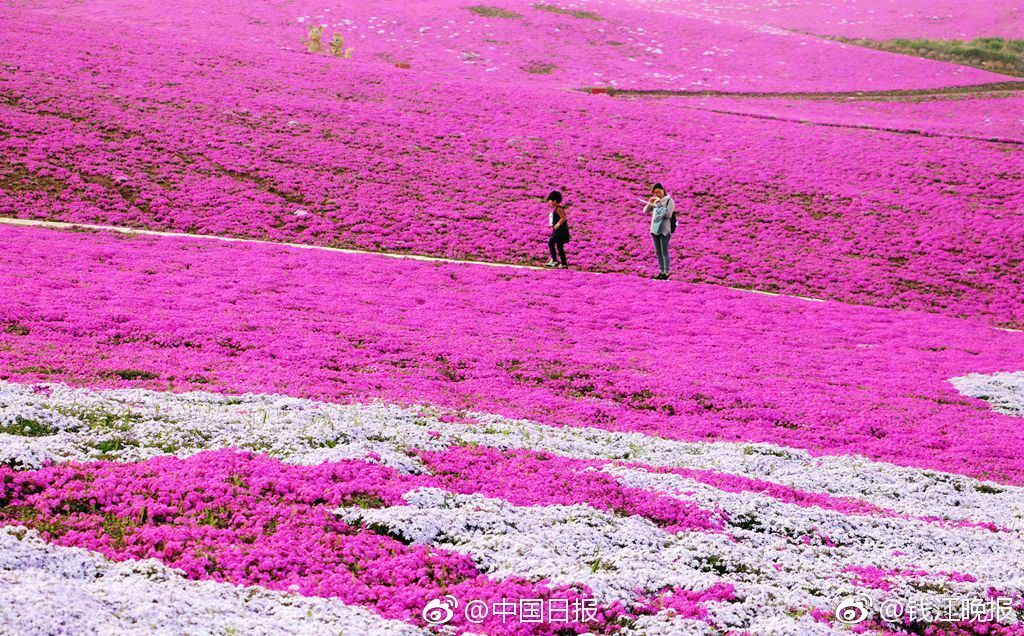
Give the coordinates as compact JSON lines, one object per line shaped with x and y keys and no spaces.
{"x":102,"y":419}
{"x":27,"y":427}
{"x":29,"y":517}
{"x":582,"y":15}
{"x":992,"y":54}
{"x":116,"y":528}
{"x":540,"y":68}
{"x":130,"y":374}
{"x":111,"y":448}
{"x":219,"y":518}
{"x":16,"y":328}
{"x":364,"y":500}
{"x":39,"y":370}
{"x":494,"y":12}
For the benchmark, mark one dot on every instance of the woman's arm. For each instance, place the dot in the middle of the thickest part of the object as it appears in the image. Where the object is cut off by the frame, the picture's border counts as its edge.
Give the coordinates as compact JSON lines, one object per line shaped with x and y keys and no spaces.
{"x":670,"y":208}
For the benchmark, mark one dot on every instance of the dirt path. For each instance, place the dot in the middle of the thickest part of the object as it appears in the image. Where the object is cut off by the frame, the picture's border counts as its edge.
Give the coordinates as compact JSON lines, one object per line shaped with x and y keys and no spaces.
{"x":997,"y":88}
{"x":887,"y":129}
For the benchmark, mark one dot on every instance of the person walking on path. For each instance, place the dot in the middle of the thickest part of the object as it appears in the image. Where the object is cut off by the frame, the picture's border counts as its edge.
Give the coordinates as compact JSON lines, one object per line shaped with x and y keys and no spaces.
{"x":559,"y":223}
{"x":662,"y":210}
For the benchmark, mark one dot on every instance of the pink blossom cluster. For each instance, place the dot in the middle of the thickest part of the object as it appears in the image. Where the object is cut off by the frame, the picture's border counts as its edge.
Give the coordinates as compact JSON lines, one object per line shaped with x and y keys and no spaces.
{"x":224,"y":138}
{"x":870,"y":576}
{"x":561,"y":348}
{"x":877,"y":19}
{"x":531,"y":478}
{"x":595,"y":43}
{"x":251,"y":520}
{"x":439,"y":137}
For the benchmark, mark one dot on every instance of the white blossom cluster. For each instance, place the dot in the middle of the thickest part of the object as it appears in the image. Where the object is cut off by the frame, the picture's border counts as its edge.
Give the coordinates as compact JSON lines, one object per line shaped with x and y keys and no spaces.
{"x":308,"y":432}
{"x":763,"y":554}
{"x":49,"y":590}
{"x":1004,"y":391}
{"x":782,"y":559}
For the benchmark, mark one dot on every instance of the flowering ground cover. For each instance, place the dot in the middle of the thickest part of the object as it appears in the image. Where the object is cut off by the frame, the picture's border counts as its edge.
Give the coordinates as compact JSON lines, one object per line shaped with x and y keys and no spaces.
{"x":879,"y":19}
{"x":616,"y":43}
{"x":210,"y":437}
{"x":412,"y":477}
{"x":690,"y":363}
{"x":312,"y":149}
{"x":55,"y":589}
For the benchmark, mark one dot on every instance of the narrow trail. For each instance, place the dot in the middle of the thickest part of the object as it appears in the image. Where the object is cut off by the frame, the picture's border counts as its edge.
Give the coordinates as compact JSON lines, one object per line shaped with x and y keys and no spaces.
{"x":61,"y":225}
{"x":885,"y":129}
{"x":995,"y":88}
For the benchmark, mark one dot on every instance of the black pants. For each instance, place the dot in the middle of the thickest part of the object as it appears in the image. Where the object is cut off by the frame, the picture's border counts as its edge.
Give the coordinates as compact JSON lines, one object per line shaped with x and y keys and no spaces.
{"x":554,"y":243}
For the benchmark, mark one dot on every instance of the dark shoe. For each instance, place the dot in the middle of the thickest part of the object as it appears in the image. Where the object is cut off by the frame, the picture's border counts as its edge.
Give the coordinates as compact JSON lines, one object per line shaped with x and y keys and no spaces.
{"x":657,"y":276}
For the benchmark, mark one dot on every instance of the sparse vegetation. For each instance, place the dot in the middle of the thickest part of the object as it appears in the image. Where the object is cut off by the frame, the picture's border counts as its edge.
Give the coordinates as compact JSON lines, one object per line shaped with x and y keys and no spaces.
{"x":582,"y":15}
{"x":16,"y":328}
{"x":131,"y":374}
{"x":494,"y":12}
{"x":540,"y":68}
{"x":26,"y":427}
{"x":992,"y":54}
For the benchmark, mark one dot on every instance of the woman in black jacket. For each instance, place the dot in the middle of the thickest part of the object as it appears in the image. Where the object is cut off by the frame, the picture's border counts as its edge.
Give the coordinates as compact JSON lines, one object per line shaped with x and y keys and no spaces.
{"x":559,"y":223}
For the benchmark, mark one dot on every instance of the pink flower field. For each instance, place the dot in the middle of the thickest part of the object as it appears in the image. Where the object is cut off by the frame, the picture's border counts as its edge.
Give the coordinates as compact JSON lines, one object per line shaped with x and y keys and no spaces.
{"x":881,"y":19}
{"x":305,"y":148}
{"x":279,"y":355}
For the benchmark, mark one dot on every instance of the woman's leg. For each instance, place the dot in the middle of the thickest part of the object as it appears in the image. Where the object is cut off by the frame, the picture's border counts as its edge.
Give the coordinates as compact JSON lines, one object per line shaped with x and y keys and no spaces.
{"x":561,"y":253}
{"x":664,"y":250}
{"x":551,"y":248}
{"x":657,"y":250}
{"x":660,"y":247}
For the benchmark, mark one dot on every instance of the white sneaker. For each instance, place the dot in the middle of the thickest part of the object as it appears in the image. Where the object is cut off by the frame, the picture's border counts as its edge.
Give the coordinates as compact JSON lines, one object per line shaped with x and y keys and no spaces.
{"x":551,"y":264}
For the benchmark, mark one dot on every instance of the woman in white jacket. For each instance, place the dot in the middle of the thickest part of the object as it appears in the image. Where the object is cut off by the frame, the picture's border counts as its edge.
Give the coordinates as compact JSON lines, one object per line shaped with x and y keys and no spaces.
{"x":661,"y":208}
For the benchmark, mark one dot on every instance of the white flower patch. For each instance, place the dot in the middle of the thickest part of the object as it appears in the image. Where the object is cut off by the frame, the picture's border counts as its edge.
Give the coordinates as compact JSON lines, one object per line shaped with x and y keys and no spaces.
{"x":777,"y":576}
{"x":775,"y":532}
{"x":904,"y":490}
{"x":614,"y":556}
{"x":47,"y":589}
{"x":134,"y":425}
{"x":782,"y":559}
{"x":86,"y":423}
{"x":1004,"y":391}
{"x":666,"y":623}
